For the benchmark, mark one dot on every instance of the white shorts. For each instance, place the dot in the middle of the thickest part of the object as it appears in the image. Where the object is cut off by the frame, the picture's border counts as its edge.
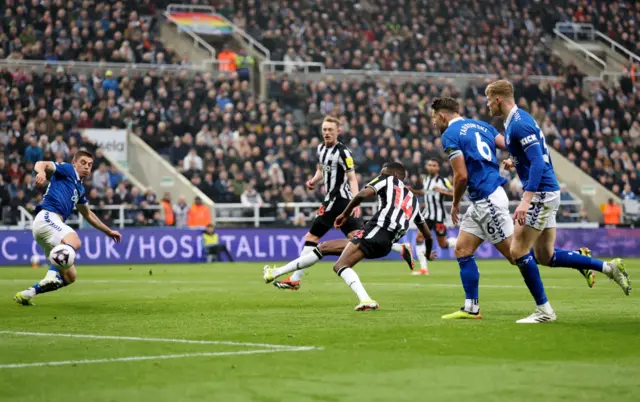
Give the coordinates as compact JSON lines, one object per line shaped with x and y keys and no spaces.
{"x":543,"y":210}
{"x":489,"y":219}
{"x":49,"y":230}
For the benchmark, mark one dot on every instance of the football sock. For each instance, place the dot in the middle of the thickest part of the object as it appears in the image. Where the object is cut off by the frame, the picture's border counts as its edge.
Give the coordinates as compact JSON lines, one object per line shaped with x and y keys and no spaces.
{"x":531,"y":274}
{"x":470,"y":276}
{"x":52,"y":273}
{"x":397,"y":247}
{"x":571,"y":259}
{"x":420,"y":250}
{"x":351,"y":278}
{"x":304,"y":261}
{"x":451,"y":242}
{"x":309,"y":246}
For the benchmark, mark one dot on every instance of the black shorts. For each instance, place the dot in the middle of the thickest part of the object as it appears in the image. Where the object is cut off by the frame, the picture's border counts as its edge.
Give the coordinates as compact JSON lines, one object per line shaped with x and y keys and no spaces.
{"x":438,"y":227}
{"x":374,"y":241}
{"x":324,"y":219}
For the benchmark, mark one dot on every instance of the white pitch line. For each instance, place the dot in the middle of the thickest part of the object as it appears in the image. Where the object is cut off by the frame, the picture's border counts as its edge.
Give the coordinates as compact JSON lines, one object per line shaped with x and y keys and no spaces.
{"x":387,"y":284}
{"x":161,"y":357}
{"x":144,"y":339}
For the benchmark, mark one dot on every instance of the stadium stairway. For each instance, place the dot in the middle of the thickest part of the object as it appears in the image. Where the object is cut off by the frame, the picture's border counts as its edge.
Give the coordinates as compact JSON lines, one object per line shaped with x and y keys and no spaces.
{"x":593,"y":52}
{"x":592,"y":193}
{"x":154,"y":171}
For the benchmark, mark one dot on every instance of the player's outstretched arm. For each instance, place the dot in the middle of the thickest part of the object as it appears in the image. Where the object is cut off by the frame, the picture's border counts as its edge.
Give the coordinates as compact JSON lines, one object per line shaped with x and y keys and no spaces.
{"x":94,"y":221}
{"x":355,"y":202}
{"x":44,"y":171}
{"x":460,"y":180}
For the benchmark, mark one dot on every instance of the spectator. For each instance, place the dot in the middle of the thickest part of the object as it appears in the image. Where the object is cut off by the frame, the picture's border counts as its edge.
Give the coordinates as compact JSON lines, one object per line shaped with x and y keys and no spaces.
{"x":193,"y":161}
{"x":60,"y":147}
{"x":250,"y":199}
{"x":167,"y":208}
{"x":181,"y":211}
{"x":612,"y":213}
{"x":627,"y":193}
{"x":110,"y":84}
{"x":199,"y":214}
{"x":33,"y":152}
{"x":212,"y":246}
{"x":100,"y":179}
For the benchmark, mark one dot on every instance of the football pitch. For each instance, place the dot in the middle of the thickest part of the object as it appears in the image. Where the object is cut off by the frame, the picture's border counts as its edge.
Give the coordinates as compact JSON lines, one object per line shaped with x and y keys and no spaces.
{"x":218,"y":333}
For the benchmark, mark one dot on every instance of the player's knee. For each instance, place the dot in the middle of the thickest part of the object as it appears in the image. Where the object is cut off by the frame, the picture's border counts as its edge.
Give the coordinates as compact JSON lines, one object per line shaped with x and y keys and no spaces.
{"x":517,"y":251}
{"x":73,"y":240}
{"x":419,"y":238}
{"x":543,"y":256}
{"x":70,"y":275}
{"x":311,"y":238}
{"x":462,"y":251}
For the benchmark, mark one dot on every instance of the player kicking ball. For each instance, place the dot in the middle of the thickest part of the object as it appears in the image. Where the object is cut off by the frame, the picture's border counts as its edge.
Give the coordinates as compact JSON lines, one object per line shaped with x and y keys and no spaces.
{"x":337,"y":171}
{"x":535,"y":232}
{"x":398,"y":208}
{"x":65,"y":191}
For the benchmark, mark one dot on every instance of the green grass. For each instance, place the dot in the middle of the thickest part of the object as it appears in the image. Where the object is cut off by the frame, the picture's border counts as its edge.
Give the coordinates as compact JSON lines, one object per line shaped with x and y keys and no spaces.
{"x":403,"y":352}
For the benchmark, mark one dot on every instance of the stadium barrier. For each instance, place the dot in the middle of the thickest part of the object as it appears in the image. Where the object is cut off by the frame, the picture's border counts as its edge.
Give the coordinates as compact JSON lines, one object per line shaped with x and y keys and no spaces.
{"x":172,"y":245}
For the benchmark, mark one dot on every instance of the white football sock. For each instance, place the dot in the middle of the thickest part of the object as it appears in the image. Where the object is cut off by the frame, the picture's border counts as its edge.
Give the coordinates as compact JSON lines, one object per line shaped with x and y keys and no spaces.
{"x":397,"y":247}
{"x":297,"y":276}
{"x":471,"y":305}
{"x":607,"y":270}
{"x":451,"y":242}
{"x":546,"y":308}
{"x":420,"y":250}
{"x":304,"y":261}
{"x":29,"y":293}
{"x":351,"y":278}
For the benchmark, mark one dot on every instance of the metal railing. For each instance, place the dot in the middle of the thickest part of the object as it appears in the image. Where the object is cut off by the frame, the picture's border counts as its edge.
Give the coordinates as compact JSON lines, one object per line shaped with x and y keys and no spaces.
{"x":174,"y":8}
{"x":589,"y":56}
{"x":590,"y":32}
{"x":240,"y":213}
{"x":197,"y":40}
{"x":90,"y":67}
{"x":269,"y":66}
{"x":26,"y":219}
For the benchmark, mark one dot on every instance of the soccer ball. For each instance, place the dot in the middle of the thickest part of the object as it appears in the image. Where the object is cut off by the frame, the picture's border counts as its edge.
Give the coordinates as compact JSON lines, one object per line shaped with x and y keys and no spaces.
{"x":35,"y":260}
{"x":62,"y":256}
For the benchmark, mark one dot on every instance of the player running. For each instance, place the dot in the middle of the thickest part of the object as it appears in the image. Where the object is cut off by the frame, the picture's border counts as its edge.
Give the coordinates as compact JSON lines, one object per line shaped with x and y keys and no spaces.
{"x":337,"y":170}
{"x":434,"y":189}
{"x":536,"y":214}
{"x":471,"y":147}
{"x":65,"y":191}
{"x":398,"y":208}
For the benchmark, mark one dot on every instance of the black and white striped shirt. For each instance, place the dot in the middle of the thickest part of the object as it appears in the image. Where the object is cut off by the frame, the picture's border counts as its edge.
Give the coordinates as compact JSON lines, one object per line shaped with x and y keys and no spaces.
{"x":335,"y":161}
{"x":433,"y":200}
{"x":397,"y":206}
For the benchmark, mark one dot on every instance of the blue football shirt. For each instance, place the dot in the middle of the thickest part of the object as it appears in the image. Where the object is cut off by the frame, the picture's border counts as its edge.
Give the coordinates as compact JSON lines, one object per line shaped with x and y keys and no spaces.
{"x":476,"y":141}
{"x":65,"y":190}
{"x":522,"y":132}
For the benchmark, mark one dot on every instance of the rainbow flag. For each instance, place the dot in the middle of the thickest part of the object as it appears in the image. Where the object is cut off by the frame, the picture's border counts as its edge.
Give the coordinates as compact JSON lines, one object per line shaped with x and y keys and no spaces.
{"x":206,"y":24}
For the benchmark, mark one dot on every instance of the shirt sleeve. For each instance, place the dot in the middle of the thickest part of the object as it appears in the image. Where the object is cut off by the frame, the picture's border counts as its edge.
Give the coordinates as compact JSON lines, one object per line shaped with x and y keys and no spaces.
{"x":378,"y":183}
{"x":451,"y":145}
{"x":346,"y":160}
{"x":493,"y":131}
{"x":525,"y":134}
{"x":447,"y":183}
{"x":63,"y":170}
{"x":83,"y":199}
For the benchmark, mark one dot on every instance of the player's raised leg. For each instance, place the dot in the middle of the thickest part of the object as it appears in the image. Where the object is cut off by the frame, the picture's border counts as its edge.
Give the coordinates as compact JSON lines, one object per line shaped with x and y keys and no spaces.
{"x":524,"y":239}
{"x":332,"y":247}
{"x":351,"y":255}
{"x":547,"y":255}
{"x":466,"y":246}
{"x":54,"y":278}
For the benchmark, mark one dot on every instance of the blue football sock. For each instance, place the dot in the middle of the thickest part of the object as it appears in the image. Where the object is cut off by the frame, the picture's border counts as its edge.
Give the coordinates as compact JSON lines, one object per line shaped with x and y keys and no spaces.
{"x":54,"y":269}
{"x":531,"y":275}
{"x":40,"y":289}
{"x":572,"y":259}
{"x":470,"y":277}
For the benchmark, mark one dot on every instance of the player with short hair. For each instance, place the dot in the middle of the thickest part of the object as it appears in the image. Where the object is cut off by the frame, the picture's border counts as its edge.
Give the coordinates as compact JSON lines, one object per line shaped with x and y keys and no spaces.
{"x":337,"y":170}
{"x":434,"y":189}
{"x":65,"y":191}
{"x":471,"y":147}
{"x":535,"y":234}
{"x":398,"y":208}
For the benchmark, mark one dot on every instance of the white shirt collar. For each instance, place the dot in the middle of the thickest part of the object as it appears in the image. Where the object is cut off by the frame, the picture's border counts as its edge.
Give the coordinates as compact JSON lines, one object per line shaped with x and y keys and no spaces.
{"x":513,"y":110}
{"x":77,"y":175}
{"x":454,"y":120}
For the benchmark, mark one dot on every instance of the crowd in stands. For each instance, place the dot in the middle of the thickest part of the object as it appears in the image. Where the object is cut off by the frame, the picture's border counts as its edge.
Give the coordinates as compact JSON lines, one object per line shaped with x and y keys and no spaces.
{"x":90,"y":30}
